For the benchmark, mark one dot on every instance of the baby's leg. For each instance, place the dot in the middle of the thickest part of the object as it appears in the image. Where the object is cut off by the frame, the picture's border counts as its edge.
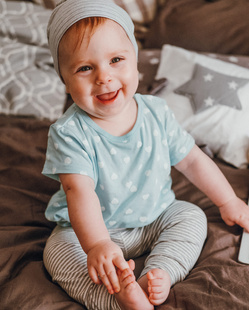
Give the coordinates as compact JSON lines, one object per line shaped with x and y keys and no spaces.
{"x":66,"y":262}
{"x":174,"y":240}
{"x":179,"y":234}
{"x":131,"y":295}
{"x":176,"y":237}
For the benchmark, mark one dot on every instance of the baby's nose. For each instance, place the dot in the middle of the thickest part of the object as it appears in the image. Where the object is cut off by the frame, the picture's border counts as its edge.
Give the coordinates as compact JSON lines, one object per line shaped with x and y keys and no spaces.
{"x":103,"y":77}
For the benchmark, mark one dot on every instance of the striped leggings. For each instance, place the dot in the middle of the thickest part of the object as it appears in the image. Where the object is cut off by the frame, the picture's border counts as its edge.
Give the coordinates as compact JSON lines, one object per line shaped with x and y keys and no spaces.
{"x":174,"y":242}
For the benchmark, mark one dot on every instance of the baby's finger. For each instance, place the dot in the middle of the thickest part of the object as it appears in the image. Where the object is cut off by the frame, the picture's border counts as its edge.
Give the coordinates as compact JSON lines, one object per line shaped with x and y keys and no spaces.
{"x":229,"y":222}
{"x":111,"y":273}
{"x":131,"y":264}
{"x":120,"y":263}
{"x":113,"y":279}
{"x":243,"y":222}
{"x":94,"y":275}
{"x":104,"y":277}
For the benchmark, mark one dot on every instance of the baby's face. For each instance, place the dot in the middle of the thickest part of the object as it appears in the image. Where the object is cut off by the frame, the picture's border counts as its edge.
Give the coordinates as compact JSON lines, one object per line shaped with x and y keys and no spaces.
{"x":101,"y":73}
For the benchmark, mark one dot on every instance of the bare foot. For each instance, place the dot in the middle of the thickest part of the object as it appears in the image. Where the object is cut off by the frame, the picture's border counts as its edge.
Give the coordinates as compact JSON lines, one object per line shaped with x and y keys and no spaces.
{"x":159,"y":284}
{"x":131,"y":295}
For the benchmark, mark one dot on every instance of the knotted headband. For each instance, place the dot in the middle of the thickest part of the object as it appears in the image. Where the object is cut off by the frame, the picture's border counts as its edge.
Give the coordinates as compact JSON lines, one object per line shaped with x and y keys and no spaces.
{"x":69,"y":12}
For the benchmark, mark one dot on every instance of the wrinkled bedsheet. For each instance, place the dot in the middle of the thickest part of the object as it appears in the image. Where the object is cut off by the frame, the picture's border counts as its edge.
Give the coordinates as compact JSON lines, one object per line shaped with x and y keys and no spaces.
{"x":218,"y":281}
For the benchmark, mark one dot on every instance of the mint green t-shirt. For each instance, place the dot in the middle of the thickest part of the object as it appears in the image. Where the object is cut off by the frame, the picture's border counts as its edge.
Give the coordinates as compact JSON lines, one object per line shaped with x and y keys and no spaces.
{"x":131,"y":173}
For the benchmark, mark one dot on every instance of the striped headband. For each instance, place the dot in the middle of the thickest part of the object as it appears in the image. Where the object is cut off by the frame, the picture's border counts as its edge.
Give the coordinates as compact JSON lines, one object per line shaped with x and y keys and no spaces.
{"x":69,"y":12}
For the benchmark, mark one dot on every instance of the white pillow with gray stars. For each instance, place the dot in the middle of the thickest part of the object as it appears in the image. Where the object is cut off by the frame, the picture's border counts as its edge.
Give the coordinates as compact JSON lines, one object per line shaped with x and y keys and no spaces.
{"x":224,"y":129}
{"x":208,"y":88}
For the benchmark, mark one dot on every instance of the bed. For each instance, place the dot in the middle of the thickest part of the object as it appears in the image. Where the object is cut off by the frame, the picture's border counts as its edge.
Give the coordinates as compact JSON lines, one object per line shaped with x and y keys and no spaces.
{"x":178,"y":40}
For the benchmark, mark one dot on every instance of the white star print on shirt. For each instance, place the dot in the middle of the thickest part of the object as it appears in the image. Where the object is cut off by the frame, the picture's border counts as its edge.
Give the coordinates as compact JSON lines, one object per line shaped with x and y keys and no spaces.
{"x":131,"y":172}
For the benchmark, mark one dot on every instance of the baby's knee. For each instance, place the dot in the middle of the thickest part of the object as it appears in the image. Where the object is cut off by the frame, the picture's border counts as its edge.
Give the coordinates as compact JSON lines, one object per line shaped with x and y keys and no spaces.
{"x":198,"y":214}
{"x":199,"y":222}
{"x":195,"y":219}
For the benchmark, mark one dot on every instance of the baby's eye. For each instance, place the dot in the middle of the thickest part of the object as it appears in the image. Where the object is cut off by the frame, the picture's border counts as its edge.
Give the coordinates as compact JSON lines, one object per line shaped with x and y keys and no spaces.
{"x":85,"y":68}
{"x":115,"y":59}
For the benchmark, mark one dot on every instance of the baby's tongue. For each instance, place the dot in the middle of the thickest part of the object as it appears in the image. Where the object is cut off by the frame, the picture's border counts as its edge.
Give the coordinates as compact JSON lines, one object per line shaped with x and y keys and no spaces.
{"x":107,"y":96}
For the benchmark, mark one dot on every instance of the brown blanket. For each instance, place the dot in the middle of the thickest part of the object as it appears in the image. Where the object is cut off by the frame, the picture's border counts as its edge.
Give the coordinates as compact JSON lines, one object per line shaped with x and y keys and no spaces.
{"x":217,"y":281}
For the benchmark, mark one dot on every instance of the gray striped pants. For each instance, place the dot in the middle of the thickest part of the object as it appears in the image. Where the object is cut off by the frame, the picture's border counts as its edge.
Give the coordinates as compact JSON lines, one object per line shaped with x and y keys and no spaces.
{"x":174,"y":242}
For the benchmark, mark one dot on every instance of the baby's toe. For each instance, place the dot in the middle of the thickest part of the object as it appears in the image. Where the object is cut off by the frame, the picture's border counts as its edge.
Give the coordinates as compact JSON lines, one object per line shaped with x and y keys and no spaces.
{"x":155,"y":289}
{"x":155,"y":274}
{"x":126,"y":277}
{"x":157,"y":299}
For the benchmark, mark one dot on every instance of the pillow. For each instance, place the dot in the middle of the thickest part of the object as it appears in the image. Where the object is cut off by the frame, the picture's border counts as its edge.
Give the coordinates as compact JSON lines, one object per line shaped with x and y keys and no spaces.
{"x":148,"y":62}
{"x":217,"y":27}
{"x":207,"y":88}
{"x":141,"y":11}
{"x":50,"y":4}
{"x":29,"y":85}
{"x":223,"y":129}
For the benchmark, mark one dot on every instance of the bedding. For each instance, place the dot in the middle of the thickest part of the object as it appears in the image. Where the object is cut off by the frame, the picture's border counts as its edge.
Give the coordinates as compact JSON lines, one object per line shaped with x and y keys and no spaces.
{"x":29,"y":85}
{"x":205,"y":26}
{"x":217,"y":281}
{"x":221,"y":127}
{"x":141,"y":11}
{"x":207,"y":88}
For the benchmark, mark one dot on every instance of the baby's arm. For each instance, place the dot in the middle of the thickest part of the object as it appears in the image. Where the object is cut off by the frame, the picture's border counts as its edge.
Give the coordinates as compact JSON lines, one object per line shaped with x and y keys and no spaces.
{"x":103,"y":255}
{"x":206,"y":175}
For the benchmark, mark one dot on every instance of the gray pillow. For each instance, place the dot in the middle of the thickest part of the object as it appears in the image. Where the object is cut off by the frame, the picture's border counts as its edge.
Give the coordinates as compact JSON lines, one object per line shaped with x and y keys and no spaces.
{"x":29,"y":85}
{"x":207,"y":88}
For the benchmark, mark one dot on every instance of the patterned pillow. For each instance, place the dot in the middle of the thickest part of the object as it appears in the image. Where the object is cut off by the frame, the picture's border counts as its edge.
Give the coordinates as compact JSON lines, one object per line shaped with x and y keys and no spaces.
{"x":148,"y":62}
{"x":141,"y":11}
{"x":224,"y":129}
{"x":28,"y":83}
{"x":207,"y":88}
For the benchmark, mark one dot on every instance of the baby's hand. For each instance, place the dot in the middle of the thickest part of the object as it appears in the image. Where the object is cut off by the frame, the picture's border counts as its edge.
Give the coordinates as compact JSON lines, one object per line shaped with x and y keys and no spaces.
{"x":235,"y":211}
{"x":102,"y":261}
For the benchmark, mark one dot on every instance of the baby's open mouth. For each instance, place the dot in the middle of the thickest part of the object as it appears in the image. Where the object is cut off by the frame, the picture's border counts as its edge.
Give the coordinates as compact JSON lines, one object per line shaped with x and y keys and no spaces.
{"x":108,"y":97}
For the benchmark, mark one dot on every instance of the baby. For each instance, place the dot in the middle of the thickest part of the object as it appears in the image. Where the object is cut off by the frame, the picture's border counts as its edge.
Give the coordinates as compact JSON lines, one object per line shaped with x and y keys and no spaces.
{"x":112,"y":151}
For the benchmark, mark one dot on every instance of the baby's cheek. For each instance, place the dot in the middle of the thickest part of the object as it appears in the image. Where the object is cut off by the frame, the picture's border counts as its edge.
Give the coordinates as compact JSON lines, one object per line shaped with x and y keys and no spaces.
{"x":132,"y":78}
